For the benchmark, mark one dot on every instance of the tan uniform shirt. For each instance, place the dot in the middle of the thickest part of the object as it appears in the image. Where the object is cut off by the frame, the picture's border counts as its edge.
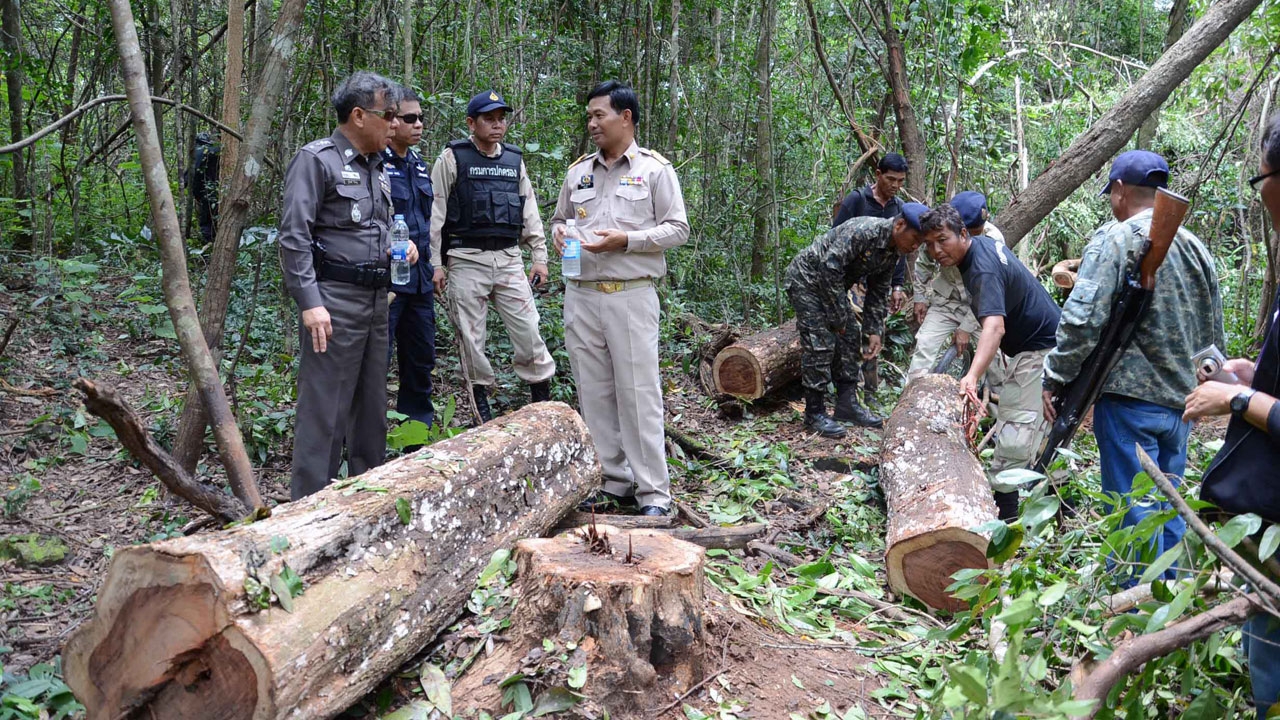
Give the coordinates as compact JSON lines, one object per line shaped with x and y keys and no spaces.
{"x":640,"y":194}
{"x":935,"y":283}
{"x":338,"y":198}
{"x":444,"y":174}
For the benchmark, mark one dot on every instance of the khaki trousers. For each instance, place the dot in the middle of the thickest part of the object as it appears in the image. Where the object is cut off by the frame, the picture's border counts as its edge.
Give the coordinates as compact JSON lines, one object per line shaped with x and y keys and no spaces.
{"x":940,"y":323}
{"x":478,"y":279}
{"x":1020,"y":416}
{"x":612,"y":339}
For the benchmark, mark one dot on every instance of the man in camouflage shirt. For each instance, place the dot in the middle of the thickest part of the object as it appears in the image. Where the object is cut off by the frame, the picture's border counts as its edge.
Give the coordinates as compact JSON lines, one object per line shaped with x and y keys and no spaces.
{"x":1143,"y":397}
{"x":831,"y":338}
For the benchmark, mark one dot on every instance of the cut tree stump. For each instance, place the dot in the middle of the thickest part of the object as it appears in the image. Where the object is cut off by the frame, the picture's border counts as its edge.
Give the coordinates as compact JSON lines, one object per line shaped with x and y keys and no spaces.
{"x":386,"y":560}
{"x":936,"y":492}
{"x":639,"y":623}
{"x":758,"y":365}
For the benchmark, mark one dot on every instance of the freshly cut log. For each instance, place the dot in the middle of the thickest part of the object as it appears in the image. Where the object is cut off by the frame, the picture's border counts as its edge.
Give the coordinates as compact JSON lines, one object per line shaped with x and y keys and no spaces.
{"x":936,"y":492}
{"x":185,"y":629}
{"x":1064,"y":273}
{"x":759,"y":364}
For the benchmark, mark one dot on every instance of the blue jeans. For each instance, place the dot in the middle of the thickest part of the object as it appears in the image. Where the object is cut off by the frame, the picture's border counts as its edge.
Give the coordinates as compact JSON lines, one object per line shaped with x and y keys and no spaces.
{"x":1262,"y":647}
{"x":1118,"y":423}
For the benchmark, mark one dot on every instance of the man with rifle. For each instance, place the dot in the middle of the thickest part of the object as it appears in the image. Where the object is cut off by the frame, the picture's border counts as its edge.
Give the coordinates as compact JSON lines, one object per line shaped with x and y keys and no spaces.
{"x":1141,"y":399}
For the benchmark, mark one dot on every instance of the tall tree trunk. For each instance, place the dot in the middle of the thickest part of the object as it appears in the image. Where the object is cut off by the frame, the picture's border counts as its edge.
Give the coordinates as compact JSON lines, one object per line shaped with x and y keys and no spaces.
{"x":1177,"y":26}
{"x":177,"y":286}
{"x":673,"y":102}
{"x":11,"y":35}
{"x":766,"y":212}
{"x":1105,"y":137}
{"x":231,"y":80}
{"x":909,"y":134}
{"x":233,"y":209}
{"x":406,"y":21}
{"x":1024,"y":169}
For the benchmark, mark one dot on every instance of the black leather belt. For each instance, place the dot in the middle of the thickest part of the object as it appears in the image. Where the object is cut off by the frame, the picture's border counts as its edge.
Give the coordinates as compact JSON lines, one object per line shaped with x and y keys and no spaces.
{"x":483,"y":243}
{"x":370,"y":275}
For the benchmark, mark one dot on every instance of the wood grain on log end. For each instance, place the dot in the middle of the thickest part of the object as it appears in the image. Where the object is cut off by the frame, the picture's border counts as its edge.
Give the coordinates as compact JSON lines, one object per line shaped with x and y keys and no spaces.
{"x":737,"y":372}
{"x":759,"y":365}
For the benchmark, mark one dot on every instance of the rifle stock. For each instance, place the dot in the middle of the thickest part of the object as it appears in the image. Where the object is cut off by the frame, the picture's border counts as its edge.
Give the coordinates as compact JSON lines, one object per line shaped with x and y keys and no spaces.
{"x":1167,"y":217}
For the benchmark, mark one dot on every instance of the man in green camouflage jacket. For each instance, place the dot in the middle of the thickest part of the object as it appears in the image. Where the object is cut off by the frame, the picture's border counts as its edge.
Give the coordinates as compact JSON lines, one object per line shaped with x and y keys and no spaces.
{"x":1143,"y":398}
{"x":831,"y":338}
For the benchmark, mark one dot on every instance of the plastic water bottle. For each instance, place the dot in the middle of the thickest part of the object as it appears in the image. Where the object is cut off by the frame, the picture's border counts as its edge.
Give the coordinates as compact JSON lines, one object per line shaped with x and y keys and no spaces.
{"x":571,"y":261}
{"x":399,"y":251}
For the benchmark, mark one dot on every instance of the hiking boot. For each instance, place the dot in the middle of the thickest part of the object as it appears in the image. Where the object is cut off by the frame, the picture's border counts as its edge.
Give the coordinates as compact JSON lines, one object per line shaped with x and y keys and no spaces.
{"x":1007,"y":503}
{"x":815,"y":417}
{"x":481,"y":394}
{"x":850,"y":410}
{"x":540,"y":391}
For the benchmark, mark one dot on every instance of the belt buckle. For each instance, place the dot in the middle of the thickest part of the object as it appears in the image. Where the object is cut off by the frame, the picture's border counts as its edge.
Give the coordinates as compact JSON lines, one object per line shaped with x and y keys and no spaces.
{"x":610,"y":286}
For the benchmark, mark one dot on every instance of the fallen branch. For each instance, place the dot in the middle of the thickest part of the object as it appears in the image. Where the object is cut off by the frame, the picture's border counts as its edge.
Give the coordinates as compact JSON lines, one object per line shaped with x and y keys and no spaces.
{"x":694,"y":517}
{"x":1130,"y":598}
{"x":105,"y":403}
{"x":8,"y":333}
{"x":776,"y":553}
{"x":733,"y":537}
{"x":896,"y":612}
{"x":1129,"y":656}
{"x":693,"y":447}
{"x":56,"y":124}
{"x":577,"y":519}
{"x":25,"y":392}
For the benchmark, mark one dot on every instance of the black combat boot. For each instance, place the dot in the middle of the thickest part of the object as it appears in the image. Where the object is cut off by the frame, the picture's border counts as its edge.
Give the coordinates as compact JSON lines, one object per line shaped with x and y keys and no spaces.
{"x":482,"y":402}
{"x":815,"y":417}
{"x":540,"y":391}
{"x":1007,"y":503}
{"x":850,"y":410}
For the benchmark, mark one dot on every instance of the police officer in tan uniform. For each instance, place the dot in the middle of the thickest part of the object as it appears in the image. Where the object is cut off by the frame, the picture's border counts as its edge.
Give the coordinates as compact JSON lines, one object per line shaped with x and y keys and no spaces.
{"x":484,"y":210}
{"x":629,"y":210}
{"x":335,"y":256}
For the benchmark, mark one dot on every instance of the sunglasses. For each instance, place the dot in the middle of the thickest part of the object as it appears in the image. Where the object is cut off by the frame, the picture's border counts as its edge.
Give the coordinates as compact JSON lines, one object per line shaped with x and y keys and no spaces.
{"x":387,"y":114}
{"x":411,"y":118}
{"x":1257,"y":179}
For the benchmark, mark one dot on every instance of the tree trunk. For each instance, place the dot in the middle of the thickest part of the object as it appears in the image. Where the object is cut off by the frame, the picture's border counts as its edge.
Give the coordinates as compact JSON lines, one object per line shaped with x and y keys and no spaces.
{"x":1177,"y":25}
{"x":406,"y":22}
{"x":233,"y":210}
{"x":766,"y":211}
{"x":386,"y":560}
{"x":177,"y":286}
{"x":673,"y":80}
{"x":631,"y":599}
{"x":1104,"y":138}
{"x":935,"y":490}
{"x":11,"y":35}
{"x":760,"y":364}
{"x":232,"y":78}
{"x":909,"y":134}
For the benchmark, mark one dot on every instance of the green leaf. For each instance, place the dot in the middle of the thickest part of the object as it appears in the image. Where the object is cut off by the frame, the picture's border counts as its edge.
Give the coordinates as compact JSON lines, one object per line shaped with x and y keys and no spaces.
{"x":1004,"y":544}
{"x":1019,"y":611}
{"x":517,"y":696}
{"x":278,"y":544}
{"x":814,"y":570}
{"x":437,"y":688}
{"x":1171,"y":611}
{"x":1040,"y":510}
{"x":554,"y":700}
{"x":1053,"y":593}
{"x":416,"y":710}
{"x":1239,"y":527}
{"x":577,"y":676}
{"x":970,"y":681}
{"x":497,"y":562}
{"x":796,"y":681}
{"x":1162,"y":563}
{"x":693,"y":713}
{"x":1205,"y":707}
{"x":1074,"y":708}
{"x":1270,"y":541}
{"x":281,"y":589}
{"x":1017,"y":477}
{"x":404,"y":511}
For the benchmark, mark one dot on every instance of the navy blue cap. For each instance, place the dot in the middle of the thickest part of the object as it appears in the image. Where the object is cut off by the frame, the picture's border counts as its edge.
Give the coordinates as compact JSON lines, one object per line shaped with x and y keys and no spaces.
{"x":1138,"y":167}
{"x":970,"y":205}
{"x":912,"y":211}
{"x":484,"y":102}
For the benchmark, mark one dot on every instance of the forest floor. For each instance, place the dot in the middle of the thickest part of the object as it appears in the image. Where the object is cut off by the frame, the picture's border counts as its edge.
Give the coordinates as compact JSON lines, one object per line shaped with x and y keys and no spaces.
{"x":781,"y":648}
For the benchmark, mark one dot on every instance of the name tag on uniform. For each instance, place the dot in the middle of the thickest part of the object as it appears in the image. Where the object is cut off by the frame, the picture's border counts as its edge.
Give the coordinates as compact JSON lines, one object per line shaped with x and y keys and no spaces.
{"x":631,"y":181}
{"x":586,"y":181}
{"x":350,"y":178}
{"x":392,"y":172}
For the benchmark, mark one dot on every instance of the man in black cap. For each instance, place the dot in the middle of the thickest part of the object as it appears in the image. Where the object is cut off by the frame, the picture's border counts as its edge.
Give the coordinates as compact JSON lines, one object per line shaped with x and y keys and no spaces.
{"x":1019,"y":319}
{"x":1142,"y":400}
{"x":832,"y":340}
{"x":484,"y":210}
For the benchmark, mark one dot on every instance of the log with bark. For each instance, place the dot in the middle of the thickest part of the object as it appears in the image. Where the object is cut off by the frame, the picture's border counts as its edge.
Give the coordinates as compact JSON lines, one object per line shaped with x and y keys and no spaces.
{"x":936,"y":493}
{"x":1064,"y":273}
{"x":214,"y":626}
{"x":758,"y":365}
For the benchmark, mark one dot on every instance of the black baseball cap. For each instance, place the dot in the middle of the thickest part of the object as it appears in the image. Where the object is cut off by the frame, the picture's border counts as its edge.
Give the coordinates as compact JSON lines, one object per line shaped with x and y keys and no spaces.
{"x":912,"y":211}
{"x":484,"y":102}
{"x":1138,"y":167}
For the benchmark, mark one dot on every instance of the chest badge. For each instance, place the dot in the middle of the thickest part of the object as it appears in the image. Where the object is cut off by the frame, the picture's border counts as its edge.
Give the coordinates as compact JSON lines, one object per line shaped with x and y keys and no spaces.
{"x":631,"y":181}
{"x":582,"y":213}
{"x":586,"y":181}
{"x":355,"y":212}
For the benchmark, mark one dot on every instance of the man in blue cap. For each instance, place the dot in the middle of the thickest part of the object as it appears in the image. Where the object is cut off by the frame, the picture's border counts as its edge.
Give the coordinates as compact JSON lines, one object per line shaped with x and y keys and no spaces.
{"x":832,"y":340}
{"x":484,"y":210}
{"x":941,"y":302}
{"x":1143,"y":398}
{"x":1019,"y":319}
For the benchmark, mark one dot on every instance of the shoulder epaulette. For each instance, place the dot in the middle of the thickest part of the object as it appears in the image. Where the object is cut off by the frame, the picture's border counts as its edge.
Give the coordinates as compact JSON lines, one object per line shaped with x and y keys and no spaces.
{"x":655,"y":155}
{"x":582,"y":157}
{"x":318,"y":145}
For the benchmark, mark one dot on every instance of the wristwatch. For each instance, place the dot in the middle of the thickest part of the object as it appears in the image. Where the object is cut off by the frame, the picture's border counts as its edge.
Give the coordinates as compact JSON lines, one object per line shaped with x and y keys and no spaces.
{"x":1240,"y":402}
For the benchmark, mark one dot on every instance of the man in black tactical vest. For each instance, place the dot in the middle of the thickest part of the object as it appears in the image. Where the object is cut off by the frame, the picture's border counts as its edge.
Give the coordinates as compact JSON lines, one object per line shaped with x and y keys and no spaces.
{"x":484,"y":210}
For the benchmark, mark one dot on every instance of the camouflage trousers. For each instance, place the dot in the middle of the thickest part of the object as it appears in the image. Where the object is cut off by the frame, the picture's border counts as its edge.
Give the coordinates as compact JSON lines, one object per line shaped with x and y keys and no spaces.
{"x":1020,"y":415}
{"x":824,"y":354}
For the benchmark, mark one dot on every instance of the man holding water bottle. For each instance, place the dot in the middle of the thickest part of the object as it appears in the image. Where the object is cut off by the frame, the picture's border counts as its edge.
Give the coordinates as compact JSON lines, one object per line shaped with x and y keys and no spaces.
{"x":628,"y":210}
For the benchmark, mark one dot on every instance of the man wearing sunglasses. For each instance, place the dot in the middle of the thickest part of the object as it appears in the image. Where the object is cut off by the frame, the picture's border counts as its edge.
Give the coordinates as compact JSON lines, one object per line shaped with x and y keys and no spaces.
{"x":484,"y":211}
{"x":335,"y":255}
{"x":412,"y":324}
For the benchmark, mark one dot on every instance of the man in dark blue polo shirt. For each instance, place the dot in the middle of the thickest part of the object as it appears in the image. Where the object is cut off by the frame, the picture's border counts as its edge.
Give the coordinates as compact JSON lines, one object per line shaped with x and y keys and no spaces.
{"x":412,"y":316}
{"x":1019,"y":318}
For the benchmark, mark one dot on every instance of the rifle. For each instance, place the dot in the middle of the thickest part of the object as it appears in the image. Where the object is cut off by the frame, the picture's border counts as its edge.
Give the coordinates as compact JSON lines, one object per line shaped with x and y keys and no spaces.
{"x":1127,"y":310}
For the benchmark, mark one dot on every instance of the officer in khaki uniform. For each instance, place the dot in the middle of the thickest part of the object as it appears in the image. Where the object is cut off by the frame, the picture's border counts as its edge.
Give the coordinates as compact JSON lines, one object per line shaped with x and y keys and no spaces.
{"x":335,"y":256}
{"x":629,"y":210}
{"x":941,"y":302}
{"x":484,"y":209}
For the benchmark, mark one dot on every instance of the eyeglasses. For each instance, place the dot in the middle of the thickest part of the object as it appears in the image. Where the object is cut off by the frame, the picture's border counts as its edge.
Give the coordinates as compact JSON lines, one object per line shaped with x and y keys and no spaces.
{"x":1257,"y":180}
{"x":387,"y":114}
{"x":411,"y":118}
